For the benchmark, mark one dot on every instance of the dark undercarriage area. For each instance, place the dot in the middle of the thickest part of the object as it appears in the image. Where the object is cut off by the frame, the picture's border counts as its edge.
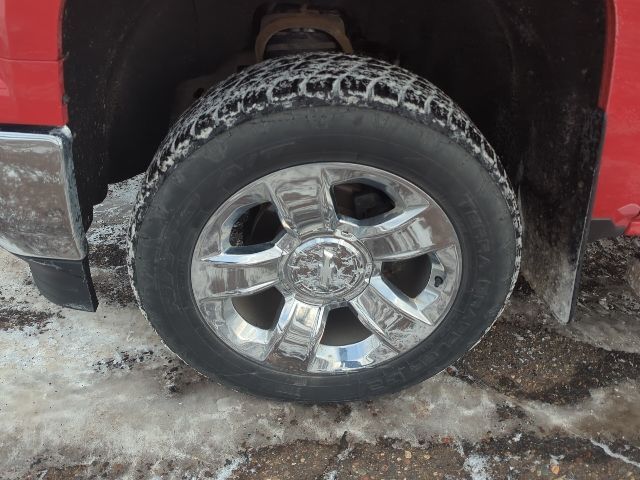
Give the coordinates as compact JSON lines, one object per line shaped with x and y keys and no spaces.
{"x":527,"y":72}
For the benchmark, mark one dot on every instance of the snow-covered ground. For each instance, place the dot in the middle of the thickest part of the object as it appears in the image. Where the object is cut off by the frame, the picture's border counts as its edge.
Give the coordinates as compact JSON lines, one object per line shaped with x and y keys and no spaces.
{"x":92,"y":394}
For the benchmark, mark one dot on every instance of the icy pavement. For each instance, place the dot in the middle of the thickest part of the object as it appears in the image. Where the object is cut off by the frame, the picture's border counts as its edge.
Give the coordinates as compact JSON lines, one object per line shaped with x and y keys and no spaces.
{"x":97,"y":395}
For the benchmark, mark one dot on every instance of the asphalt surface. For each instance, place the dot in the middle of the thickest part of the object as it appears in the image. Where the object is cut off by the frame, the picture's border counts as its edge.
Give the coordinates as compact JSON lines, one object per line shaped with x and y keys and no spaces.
{"x":86,"y":395}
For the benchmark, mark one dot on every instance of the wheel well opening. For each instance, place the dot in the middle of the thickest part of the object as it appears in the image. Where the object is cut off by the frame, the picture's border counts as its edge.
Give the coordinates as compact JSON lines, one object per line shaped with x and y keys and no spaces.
{"x":514,"y":67}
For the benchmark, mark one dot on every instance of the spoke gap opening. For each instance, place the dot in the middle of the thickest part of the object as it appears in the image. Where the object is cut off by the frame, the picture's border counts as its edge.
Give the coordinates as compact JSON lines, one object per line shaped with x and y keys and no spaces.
{"x":343,"y":328}
{"x":361,"y":201}
{"x":410,"y":276}
{"x":261,"y":309}
{"x":259,"y":225}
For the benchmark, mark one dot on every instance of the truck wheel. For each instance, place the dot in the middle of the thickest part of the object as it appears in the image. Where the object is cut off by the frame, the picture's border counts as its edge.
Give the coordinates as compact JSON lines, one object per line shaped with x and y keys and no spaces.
{"x":323,"y":228}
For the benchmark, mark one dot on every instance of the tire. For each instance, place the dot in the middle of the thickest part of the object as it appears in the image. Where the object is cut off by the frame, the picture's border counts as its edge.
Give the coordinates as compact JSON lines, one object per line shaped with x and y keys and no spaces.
{"x":303,"y":110}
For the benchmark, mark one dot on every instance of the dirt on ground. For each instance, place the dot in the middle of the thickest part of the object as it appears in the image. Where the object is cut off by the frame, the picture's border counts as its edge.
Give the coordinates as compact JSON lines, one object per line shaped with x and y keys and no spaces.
{"x":97,"y":395}
{"x":536,"y":362}
{"x":521,"y":456}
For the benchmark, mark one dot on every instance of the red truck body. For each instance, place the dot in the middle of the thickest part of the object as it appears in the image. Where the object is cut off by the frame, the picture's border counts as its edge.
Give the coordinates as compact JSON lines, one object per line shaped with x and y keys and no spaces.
{"x":618,"y":193}
{"x":31,"y":80}
{"x":32,"y":93}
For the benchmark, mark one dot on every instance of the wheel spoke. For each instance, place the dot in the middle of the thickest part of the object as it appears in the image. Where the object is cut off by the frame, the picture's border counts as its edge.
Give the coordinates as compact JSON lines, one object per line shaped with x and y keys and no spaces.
{"x":303,"y":200}
{"x":398,"y":301}
{"x":390,"y":315}
{"x":241,"y":271}
{"x":367,"y":307}
{"x":296,"y":335}
{"x":408,"y":234}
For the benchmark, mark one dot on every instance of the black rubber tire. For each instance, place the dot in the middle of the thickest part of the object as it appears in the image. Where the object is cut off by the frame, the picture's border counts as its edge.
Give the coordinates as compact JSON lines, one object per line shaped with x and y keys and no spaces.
{"x":322,"y":107}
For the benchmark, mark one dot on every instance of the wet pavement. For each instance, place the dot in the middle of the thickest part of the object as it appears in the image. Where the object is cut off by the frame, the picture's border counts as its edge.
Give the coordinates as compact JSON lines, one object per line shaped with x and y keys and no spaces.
{"x":97,"y":395}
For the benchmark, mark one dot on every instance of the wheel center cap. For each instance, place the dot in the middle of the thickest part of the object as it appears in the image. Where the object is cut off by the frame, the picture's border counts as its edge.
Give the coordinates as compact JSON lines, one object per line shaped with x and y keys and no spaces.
{"x":328,"y":269}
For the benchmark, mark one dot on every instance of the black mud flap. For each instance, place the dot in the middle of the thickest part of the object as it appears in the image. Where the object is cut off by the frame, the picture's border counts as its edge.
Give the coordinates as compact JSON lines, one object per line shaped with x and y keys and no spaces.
{"x":557,"y":201}
{"x":65,"y":282}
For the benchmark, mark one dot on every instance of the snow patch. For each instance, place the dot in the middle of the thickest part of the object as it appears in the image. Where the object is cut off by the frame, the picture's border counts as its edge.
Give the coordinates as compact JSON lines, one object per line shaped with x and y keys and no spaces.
{"x":225,"y":472}
{"x":613,"y":454}
{"x":477,"y":466}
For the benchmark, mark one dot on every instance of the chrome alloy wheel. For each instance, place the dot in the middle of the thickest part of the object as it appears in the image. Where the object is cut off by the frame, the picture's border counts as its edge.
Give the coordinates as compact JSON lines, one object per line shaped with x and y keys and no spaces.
{"x":325,"y":260}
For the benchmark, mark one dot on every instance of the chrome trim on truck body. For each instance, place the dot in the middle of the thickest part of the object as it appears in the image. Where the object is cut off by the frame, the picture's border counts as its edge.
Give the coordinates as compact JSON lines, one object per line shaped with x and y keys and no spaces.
{"x":39,"y":209}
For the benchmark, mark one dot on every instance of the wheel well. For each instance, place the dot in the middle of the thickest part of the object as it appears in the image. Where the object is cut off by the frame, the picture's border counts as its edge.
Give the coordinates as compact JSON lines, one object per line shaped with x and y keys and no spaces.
{"x":519,"y":70}
{"x":527,"y":74}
